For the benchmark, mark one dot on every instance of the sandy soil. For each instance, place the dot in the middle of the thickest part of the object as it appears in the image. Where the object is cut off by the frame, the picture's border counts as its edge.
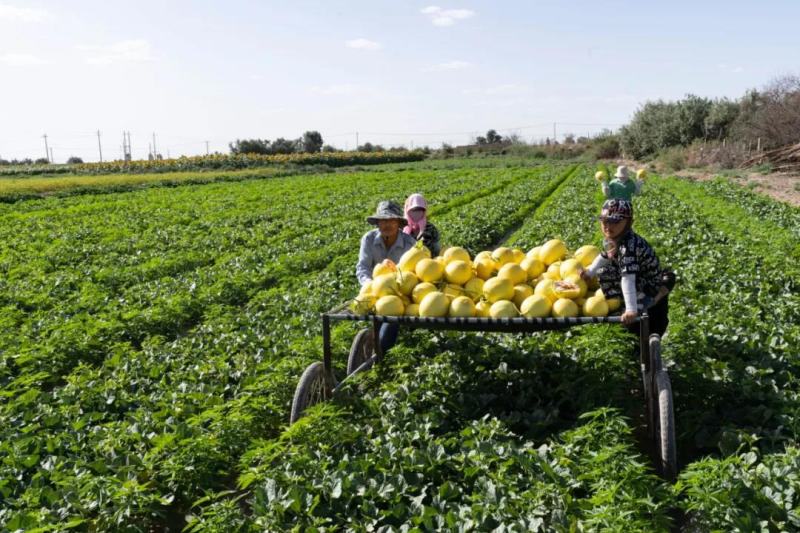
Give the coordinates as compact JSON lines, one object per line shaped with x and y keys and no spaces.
{"x":781,"y":186}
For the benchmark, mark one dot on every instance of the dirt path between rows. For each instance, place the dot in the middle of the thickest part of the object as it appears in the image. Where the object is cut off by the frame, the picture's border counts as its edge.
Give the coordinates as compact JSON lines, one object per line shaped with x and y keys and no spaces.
{"x":780,"y":186}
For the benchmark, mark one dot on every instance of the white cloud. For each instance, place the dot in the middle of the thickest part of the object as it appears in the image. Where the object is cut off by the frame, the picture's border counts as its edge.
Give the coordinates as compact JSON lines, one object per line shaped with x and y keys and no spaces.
{"x":22,"y":14}
{"x":450,"y":65}
{"x":336,"y":90}
{"x":363,"y":44}
{"x":131,"y":51}
{"x":446,"y":17}
{"x":20,"y":60}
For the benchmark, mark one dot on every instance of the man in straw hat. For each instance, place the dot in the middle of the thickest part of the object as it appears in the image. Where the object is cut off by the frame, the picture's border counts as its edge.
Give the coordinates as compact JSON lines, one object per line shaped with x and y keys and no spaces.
{"x":384,"y":242}
{"x":621,"y":187}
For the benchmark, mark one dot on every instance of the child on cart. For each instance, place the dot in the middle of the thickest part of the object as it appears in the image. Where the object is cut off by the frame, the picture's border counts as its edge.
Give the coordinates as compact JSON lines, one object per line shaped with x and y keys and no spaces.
{"x":629,"y":268}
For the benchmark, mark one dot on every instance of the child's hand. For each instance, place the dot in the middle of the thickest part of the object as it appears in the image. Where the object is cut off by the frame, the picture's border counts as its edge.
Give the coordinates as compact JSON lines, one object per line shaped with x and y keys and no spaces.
{"x":628,"y":317}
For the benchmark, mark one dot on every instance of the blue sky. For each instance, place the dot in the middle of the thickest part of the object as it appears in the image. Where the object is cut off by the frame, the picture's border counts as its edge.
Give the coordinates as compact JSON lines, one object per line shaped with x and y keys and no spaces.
{"x":397,"y":72}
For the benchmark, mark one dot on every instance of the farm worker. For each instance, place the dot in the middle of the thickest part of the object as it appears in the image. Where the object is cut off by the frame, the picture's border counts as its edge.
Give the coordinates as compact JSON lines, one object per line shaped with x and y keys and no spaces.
{"x":630,"y":268}
{"x":384,"y":242}
{"x":621,"y":186}
{"x":418,"y":225}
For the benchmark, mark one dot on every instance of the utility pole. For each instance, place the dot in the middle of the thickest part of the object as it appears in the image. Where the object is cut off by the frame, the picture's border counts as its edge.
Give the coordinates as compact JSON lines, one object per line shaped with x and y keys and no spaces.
{"x":356,"y":140}
{"x":554,"y":132}
{"x":155,"y":150}
{"x":206,"y":147}
{"x":51,"y":156}
{"x":46,"y":149}
{"x":99,"y":146}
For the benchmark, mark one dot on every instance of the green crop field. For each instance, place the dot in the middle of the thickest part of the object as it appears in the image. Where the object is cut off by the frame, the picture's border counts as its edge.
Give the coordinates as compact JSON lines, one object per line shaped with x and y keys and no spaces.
{"x":152,"y":339}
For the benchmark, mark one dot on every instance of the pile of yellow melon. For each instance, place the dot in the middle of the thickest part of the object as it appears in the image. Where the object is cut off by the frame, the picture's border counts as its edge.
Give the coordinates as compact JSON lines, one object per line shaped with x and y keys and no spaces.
{"x":506,"y":282}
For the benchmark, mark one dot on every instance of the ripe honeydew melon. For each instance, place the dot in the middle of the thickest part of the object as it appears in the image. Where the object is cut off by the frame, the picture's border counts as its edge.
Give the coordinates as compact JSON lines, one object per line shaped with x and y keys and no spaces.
{"x":601,"y":175}
{"x":553,"y":271}
{"x":586,"y":254}
{"x":502,"y":256}
{"x":546,"y":288}
{"x":386,"y":266}
{"x":503,"y":309}
{"x":535,"y":306}
{"x":390,"y":306}
{"x":408,"y":261}
{"x":641,"y":174}
{"x":599,"y":292}
{"x":474,"y":288}
{"x":458,"y":271}
{"x":513,"y":272}
{"x":366,"y":289}
{"x":533,"y":253}
{"x":496,"y":289}
{"x":385,"y":285}
{"x":569,"y":267}
{"x":434,"y":304}
{"x":533,"y":267}
{"x":613,"y":304}
{"x":462,"y":306}
{"x":406,"y":281}
{"x":484,"y":267}
{"x":552,"y":251}
{"x":412,"y":310}
{"x":454,"y":291}
{"x":456,"y":253}
{"x":429,"y":270}
{"x":521,"y":292}
{"x":576,"y":279}
{"x":482,"y":308}
{"x":566,"y":289}
{"x":595,"y":306}
{"x":519,"y":255}
{"x":564,"y":307}
{"x":419,"y":292}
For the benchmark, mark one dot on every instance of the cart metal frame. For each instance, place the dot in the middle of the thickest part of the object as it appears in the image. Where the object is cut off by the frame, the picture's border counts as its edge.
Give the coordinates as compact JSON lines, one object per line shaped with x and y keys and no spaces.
{"x":318,"y":382}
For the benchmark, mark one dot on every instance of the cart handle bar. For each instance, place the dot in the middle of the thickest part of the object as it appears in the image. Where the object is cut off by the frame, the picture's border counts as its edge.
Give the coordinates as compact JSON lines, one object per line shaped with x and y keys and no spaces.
{"x":476,"y":320}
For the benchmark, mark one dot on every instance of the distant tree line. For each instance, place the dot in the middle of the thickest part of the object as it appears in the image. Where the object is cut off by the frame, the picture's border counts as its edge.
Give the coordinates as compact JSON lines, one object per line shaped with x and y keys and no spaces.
{"x":771,"y":115}
{"x":310,"y":143}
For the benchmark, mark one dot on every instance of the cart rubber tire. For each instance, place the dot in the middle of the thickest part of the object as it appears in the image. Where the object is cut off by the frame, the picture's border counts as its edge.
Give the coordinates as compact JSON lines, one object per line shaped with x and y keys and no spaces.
{"x":310,"y":390}
{"x":362,"y":349}
{"x":655,"y":353}
{"x":665,"y":435}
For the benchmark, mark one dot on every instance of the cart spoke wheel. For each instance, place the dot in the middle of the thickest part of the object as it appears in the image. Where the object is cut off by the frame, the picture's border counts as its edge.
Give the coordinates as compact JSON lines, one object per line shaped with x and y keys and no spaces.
{"x":665,"y":434}
{"x":311,"y":390}
{"x":362,"y":349}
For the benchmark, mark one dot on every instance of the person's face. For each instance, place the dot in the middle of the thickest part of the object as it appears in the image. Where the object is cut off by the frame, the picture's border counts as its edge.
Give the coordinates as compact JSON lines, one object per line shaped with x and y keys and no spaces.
{"x":416,"y":214}
{"x":612,"y":229}
{"x":388,"y":228}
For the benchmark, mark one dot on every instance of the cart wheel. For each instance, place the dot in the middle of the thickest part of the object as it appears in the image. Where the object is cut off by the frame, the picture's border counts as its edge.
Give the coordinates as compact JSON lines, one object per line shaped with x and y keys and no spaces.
{"x":310,"y":390}
{"x":362,"y":349}
{"x":655,"y":353}
{"x":665,"y":433}
{"x":649,"y":382}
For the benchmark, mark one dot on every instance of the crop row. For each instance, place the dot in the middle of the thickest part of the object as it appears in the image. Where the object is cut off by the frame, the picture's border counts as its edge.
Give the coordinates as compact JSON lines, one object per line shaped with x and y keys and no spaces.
{"x":166,"y":419}
{"x":426,"y":440}
{"x":219,"y":162}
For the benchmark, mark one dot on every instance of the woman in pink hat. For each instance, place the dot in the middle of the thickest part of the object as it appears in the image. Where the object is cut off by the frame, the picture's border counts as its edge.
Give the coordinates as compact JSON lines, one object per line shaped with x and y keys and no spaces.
{"x":418,"y":225}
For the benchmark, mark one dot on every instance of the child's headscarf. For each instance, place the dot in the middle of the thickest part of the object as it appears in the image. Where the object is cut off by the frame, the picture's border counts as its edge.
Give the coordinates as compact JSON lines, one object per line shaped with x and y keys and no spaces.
{"x":415,"y":227}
